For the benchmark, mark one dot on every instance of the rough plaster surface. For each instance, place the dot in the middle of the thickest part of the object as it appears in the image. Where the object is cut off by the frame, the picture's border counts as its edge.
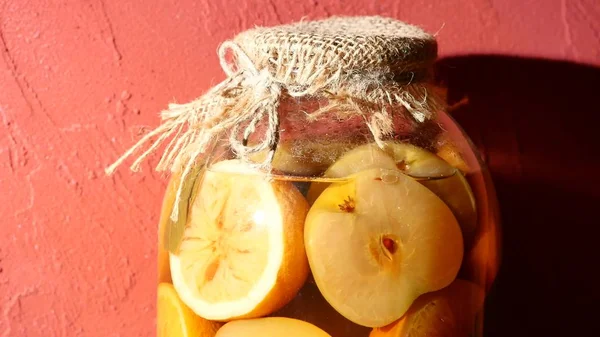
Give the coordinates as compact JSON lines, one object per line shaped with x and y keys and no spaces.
{"x":78,"y":78}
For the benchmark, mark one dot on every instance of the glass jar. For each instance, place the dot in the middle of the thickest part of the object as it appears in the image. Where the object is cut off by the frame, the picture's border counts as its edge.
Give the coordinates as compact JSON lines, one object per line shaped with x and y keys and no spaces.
{"x":356,"y":237}
{"x":322,"y":190}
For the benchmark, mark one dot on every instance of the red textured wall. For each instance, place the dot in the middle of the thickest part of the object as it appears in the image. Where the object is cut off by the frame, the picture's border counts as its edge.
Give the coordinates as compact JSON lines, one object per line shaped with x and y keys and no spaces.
{"x":78,"y":78}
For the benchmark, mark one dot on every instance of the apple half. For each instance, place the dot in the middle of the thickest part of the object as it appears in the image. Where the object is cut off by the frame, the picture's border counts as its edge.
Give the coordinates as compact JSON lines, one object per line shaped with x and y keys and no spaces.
{"x":378,"y":241}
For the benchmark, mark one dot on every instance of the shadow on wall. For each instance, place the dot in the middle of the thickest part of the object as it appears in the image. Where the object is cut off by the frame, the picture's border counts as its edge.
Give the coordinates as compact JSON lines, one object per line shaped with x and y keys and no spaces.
{"x":537,"y":124}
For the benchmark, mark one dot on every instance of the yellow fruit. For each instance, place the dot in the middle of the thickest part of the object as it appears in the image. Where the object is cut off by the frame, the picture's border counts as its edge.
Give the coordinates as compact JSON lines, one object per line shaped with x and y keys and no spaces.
{"x":408,"y":158}
{"x":451,"y":154}
{"x":417,"y":162}
{"x":450,"y":312}
{"x":270,"y":327}
{"x":483,"y":261}
{"x":456,"y":192}
{"x":305,"y":157}
{"x":437,"y":175}
{"x":377,"y":242}
{"x":242,"y":253}
{"x":174,"y":319}
{"x":311,"y":307}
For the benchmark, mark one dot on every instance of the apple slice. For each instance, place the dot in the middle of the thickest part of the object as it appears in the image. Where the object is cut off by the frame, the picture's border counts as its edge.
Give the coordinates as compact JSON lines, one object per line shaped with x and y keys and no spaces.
{"x":306,"y":157}
{"x":377,"y":242}
{"x":450,"y":312}
{"x":445,"y":181}
{"x":452,"y":155}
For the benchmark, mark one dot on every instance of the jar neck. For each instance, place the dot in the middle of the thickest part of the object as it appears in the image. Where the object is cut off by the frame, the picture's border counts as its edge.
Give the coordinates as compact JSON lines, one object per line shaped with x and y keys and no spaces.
{"x":298,"y":123}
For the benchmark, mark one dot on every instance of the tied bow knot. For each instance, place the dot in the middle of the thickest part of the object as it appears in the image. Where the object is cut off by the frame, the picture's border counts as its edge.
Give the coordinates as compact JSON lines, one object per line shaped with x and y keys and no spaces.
{"x":261,"y":81}
{"x":260,"y":93}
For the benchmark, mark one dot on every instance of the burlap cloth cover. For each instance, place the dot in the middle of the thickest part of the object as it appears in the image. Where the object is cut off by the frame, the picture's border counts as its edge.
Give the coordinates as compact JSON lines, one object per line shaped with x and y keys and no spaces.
{"x":368,"y":66}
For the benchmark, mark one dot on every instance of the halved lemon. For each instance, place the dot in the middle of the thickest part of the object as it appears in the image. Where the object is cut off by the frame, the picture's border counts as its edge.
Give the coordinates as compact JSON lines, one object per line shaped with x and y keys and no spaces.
{"x":270,"y":327}
{"x":450,"y":312}
{"x":174,"y":319}
{"x":242,"y":253}
{"x":377,"y":242}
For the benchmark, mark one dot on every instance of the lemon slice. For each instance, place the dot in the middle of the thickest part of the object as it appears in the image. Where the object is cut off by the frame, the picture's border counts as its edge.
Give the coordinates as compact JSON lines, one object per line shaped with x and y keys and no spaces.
{"x":377,"y":242}
{"x":270,"y":327}
{"x":242,"y":253}
{"x":174,"y":319}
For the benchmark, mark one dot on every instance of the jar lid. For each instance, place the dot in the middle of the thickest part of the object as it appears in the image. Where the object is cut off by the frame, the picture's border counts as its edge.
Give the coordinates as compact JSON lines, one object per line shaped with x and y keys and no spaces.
{"x":367,"y":44}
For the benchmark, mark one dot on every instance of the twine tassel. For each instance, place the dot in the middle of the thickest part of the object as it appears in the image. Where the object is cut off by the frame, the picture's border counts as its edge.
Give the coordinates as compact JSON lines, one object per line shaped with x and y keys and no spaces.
{"x":111,"y":169}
